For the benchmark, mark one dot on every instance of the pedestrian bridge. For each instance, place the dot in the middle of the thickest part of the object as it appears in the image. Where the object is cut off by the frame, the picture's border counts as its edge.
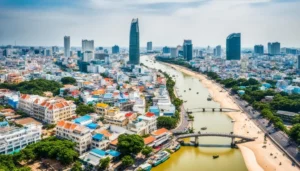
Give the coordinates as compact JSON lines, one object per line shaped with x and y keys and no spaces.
{"x":242,"y":139}
{"x":213,"y":109}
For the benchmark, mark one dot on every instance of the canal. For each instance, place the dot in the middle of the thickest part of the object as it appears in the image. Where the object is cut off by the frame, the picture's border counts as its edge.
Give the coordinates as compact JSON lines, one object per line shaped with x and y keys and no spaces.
{"x":191,"y":90}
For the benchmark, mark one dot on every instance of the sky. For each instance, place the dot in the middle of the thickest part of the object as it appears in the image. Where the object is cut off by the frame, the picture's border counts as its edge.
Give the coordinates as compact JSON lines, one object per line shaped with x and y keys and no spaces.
{"x":164,"y":22}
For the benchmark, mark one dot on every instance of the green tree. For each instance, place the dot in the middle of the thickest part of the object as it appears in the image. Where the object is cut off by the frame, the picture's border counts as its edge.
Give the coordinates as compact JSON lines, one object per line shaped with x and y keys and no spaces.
{"x":147,"y":150}
{"x":127,"y":160}
{"x":295,"y":133}
{"x":77,"y":166}
{"x":130,"y":144}
{"x":84,"y":109}
{"x":68,"y":80}
{"x":104,"y":163}
{"x":166,"y":122}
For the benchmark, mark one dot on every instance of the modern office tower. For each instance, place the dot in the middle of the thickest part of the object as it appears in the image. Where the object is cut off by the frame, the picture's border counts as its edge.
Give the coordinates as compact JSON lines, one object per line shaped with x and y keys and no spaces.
{"x":259,"y":49}
{"x":269,"y":48}
{"x":298,"y":62}
{"x":134,"y":43}
{"x":200,"y":53}
{"x":218,"y":51}
{"x":233,"y":46}
{"x":274,"y":48}
{"x":187,"y":50}
{"x":166,"y":49}
{"x":174,"y":52}
{"x":115,"y":49}
{"x":149,"y":46}
{"x":55,"y":49}
{"x":67,"y":47}
{"x":88,"y":50}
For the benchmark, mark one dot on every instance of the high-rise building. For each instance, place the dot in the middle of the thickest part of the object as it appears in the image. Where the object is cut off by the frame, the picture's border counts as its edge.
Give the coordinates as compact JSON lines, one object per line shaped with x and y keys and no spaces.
{"x":259,"y":49}
{"x":88,"y":50}
{"x":187,"y":50}
{"x":298,"y":62}
{"x":218,"y":51}
{"x":174,"y":52}
{"x":195,"y":52}
{"x":67,"y":47}
{"x":115,"y":49}
{"x":149,"y":46}
{"x":55,"y":49}
{"x":274,"y":48}
{"x":233,"y":46}
{"x":166,"y":49}
{"x":134,"y":43}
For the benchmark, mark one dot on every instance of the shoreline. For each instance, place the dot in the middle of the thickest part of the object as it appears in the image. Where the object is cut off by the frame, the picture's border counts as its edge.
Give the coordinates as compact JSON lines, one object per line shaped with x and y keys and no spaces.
{"x":255,"y":156}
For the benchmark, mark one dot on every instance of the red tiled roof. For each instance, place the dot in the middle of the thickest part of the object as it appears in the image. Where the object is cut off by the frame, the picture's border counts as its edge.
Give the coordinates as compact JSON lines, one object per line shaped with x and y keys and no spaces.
{"x":160,"y":131}
{"x":149,"y":114}
{"x":128,"y":114}
{"x":149,"y":140}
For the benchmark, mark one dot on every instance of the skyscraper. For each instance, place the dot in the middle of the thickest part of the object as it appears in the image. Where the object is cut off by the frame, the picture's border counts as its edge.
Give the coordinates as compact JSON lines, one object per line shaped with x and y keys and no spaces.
{"x":88,"y":50}
{"x":233,"y":46}
{"x":67,"y":47}
{"x":187,"y":50}
{"x":115,"y":49}
{"x":298,"y":62}
{"x":149,"y":46}
{"x":218,"y":51}
{"x":174,"y":52}
{"x":134,"y":43}
{"x":274,"y":48}
{"x":259,"y":49}
{"x":166,"y":49}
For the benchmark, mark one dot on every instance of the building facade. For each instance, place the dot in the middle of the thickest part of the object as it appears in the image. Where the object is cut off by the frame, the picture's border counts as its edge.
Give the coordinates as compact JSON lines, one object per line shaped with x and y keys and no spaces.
{"x":149,"y":46}
{"x":134,"y":43}
{"x":79,"y":134}
{"x":187,"y":50}
{"x":67,"y":46}
{"x":233,"y":46}
{"x":259,"y":49}
{"x":115,"y":49}
{"x":48,"y":110}
{"x":274,"y":48}
{"x":13,"y":139}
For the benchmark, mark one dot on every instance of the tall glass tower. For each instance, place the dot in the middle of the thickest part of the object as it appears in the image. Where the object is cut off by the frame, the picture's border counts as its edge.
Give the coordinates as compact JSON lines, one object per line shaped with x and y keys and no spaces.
{"x":134,"y":43}
{"x":233,"y":47}
{"x":67,"y":46}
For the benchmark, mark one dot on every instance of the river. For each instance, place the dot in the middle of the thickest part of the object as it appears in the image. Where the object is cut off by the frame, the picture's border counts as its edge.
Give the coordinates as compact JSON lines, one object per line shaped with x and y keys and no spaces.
{"x":200,"y":158}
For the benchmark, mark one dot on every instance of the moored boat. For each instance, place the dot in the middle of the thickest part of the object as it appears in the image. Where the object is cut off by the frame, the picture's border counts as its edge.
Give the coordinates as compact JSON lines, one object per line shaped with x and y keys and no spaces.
{"x":145,"y":166}
{"x":204,"y":128}
{"x":159,"y":158}
{"x":209,"y":98}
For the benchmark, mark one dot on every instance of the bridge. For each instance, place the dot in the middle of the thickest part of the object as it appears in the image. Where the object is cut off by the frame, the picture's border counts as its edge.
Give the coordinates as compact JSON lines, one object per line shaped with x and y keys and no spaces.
{"x":213,"y":109}
{"x":243,"y":139}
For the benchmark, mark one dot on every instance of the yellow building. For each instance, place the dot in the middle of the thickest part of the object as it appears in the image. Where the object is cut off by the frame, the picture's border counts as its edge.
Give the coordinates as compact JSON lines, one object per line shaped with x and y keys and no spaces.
{"x":102,"y":108}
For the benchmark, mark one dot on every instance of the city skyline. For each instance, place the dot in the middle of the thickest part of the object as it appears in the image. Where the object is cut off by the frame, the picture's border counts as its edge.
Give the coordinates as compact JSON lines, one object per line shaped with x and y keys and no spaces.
{"x":35,"y":23}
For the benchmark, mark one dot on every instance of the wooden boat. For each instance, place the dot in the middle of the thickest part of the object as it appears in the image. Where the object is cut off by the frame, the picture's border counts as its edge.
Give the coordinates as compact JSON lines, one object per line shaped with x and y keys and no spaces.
{"x":215,"y":156}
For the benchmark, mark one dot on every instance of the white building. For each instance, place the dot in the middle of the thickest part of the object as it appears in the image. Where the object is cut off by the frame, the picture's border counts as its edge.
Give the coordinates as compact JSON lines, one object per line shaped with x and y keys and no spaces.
{"x":79,"y":134}
{"x":13,"y":139}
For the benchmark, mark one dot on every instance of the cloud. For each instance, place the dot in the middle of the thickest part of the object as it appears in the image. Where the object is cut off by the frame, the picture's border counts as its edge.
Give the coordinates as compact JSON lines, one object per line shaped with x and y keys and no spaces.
{"x":165,"y":22}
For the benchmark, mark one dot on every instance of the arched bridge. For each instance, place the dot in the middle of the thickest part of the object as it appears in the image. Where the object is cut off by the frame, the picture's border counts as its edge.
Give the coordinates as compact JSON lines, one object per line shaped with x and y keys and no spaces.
{"x":243,"y":139}
{"x":213,"y":109}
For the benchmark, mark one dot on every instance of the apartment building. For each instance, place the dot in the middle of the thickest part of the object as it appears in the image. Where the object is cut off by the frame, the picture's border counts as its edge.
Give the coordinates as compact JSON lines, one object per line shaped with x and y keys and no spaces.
{"x":102,"y":108}
{"x":100,"y":141}
{"x":114,"y":117}
{"x":13,"y":139}
{"x":79,"y":134}
{"x":49,"y":110}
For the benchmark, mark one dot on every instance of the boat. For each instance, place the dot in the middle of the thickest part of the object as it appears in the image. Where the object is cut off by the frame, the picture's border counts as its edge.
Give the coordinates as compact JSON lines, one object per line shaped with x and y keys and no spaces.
{"x":185,"y":101}
{"x":232,"y":120}
{"x":209,"y":98}
{"x":159,"y":158}
{"x":184,"y":90}
{"x":215,"y":156}
{"x":190,"y":89}
{"x":204,"y":128}
{"x":177,"y":147}
{"x":145,"y":166}
{"x":197,"y":92}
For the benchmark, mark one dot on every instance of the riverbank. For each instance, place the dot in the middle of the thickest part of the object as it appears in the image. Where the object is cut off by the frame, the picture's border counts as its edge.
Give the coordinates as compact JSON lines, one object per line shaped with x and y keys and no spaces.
{"x":258,"y":155}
